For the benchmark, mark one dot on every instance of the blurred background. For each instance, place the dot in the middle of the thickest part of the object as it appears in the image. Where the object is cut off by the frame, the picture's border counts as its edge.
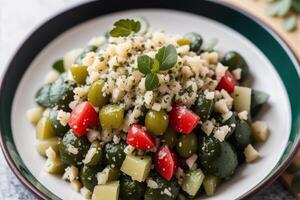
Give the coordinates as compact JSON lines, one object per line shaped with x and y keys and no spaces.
{"x":18,"y":18}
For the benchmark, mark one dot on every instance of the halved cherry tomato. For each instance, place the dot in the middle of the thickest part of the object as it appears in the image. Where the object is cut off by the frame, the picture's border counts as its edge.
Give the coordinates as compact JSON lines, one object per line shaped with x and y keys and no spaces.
{"x":227,"y":82}
{"x":82,"y":117}
{"x":165,"y":162}
{"x":183,"y":120}
{"x":139,"y":138}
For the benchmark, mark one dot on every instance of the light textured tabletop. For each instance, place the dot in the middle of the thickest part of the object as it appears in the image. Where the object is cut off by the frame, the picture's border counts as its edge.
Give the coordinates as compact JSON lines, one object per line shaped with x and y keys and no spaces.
{"x":14,"y":28}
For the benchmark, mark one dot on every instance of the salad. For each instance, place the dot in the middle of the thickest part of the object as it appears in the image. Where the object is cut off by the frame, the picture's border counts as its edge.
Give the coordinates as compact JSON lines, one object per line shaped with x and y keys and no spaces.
{"x":147,"y":115}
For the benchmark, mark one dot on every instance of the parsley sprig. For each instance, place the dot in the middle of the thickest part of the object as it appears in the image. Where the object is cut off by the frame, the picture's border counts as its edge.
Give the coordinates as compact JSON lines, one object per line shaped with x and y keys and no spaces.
{"x":165,"y":59}
{"x":124,"y":27}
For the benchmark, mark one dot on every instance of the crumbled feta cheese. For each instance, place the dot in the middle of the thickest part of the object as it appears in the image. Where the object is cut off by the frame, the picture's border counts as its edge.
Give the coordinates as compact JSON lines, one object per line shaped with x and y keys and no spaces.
{"x":237,"y":73}
{"x":50,"y":153}
{"x":220,"y":70}
{"x":243,"y":115}
{"x":116,"y":139}
{"x":191,"y":160}
{"x":71,"y":173}
{"x":221,"y":107}
{"x":151,"y":184}
{"x":72,"y":149}
{"x":228,"y":99}
{"x":81,"y":92}
{"x":250,"y":153}
{"x":183,"y":49}
{"x":34,"y":114}
{"x":221,"y":132}
{"x":207,"y":127}
{"x":76,"y":185}
{"x":92,"y":135}
{"x":102,"y":177}
{"x":227,"y":115}
{"x":167,"y":192}
{"x":156,"y":107}
{"x":180,"y":175}
{"x":158,"y":38}
{"x":89,"y":156}
{"x":63,"y":117}
{"x":85,"y":193}
{"x":209,"y":95}
{"x":106,"y":135}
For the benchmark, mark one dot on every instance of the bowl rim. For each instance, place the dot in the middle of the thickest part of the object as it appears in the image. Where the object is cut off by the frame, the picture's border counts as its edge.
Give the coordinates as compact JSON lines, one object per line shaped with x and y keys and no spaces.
{"x":40,"y":195}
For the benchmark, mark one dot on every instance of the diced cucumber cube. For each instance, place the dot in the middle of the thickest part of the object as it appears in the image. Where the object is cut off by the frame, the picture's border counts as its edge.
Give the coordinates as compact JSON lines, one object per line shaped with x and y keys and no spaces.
{"x":44,"y":129}
{"x":242,"y":99}
{"x":193,"y":181}
{"x":109,"y":191}
{"x":138,"y":167}
{"x":43,"y":145}
{"x":55,"y":166}
{"x":210,"y":184}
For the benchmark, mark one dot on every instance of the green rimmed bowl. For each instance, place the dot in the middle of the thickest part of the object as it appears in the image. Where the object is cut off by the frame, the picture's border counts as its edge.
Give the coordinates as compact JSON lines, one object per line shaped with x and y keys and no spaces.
{"x":273,"y":66}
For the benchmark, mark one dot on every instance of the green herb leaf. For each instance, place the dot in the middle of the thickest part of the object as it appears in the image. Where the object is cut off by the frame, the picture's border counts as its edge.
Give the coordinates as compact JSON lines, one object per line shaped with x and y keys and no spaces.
{"x":209,"y":45}
{"x":144,"y":64}
{"x":290,"y":23}
{"x":125,"y":27}
{"x":59,"y":66}
{"x":155,"y":66}
{"x":167,"y":57}
{"x":279,"y":8}
{"x":151,"y":81}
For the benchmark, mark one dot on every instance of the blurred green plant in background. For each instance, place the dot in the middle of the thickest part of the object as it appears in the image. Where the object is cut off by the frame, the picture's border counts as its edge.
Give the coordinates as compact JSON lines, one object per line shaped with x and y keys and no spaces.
{"x":287,"y":9}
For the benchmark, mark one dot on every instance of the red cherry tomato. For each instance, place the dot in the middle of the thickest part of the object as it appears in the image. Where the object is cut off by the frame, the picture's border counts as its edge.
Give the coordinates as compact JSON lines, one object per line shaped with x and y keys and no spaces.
{"x":165,"y":162}
{"x":139,"y":138}
{"x":183,"y":120}
{"x":227,"y":82}
{"x":82,"y":117}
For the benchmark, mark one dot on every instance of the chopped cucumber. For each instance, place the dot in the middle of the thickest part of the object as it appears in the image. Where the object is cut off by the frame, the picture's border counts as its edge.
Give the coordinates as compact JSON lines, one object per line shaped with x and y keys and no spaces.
{"x":44,"y":129}
{"x":55,"y":166}
{"x":258,"y":99}
{"x":43,"y":145}
{"x":210,"y":184}
{"x":242,"y":99}
{"x":260,"y":131}
{"x":109,"y":191}
{"x":193,"y":181}
{"x":138,"y":167}
{"x":79,"y":74}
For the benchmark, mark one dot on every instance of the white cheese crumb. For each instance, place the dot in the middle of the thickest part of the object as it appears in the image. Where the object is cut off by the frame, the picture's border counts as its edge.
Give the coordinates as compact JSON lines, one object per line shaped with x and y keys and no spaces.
{"x":207,"y":127}
{"x":152,"y":184}
{"x":71,"y":173}
{"x":220,"y":70}
{"x":92,"y":135}
{"x":106,"y":136}
{"x":221,"y":132}
{"x":167,"y":192}
{"x":116,"y":139}
{"x":180,"y":175}
{"x":237,"y":73}
{"x":89,"y":155}
{"x":227,"y":115}
{"x":72,"y":149}
{"x":191,"y":160}
{"x":51,"y":154}
{"x":156,"y":107}
{"x":250,"y":153}
{"x":221,"y":107}
{"x":243,"y":115}
{"x":76,"y":185}
{"x":129,"y":149}
{"x":102,"y":177}
{"x":85,"y":193}
{"x":63,"y":117}
{"x":209,"y":95}
{"x":51,"y":76}
{"x":34,"y":114}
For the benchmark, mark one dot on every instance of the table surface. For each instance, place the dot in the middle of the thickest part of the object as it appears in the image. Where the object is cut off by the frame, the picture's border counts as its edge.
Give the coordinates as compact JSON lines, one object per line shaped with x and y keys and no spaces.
{"x":13,"y":30}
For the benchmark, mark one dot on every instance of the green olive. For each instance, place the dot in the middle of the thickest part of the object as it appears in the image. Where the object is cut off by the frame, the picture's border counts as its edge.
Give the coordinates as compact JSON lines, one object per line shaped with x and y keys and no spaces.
{"x":234,"y":61}
{"x":72,"y":149}
{"x":79,"y":74}
{"x":156,"y":122}
{"x":44,"y":129}
{"x":95,"y":95}
{"x":97,"y":156}
{"x":88,"y":176}
{"x":111,"y":116}
{"x":187,"y":145}
{"x":169,"y":137}
{"x":196,"y":41}
{"x":114,"y":154}
{"x":203,"y":107}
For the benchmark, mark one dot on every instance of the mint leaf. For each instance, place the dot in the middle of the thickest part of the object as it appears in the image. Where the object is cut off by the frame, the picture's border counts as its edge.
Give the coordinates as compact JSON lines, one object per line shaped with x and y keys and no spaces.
{"x":167,"y":57}
{"x":144,"y":64}
{"x":125,"y":27}
{"x":59,"y":66}
{"x":155,"y":66}
{"x":151,"y":81}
